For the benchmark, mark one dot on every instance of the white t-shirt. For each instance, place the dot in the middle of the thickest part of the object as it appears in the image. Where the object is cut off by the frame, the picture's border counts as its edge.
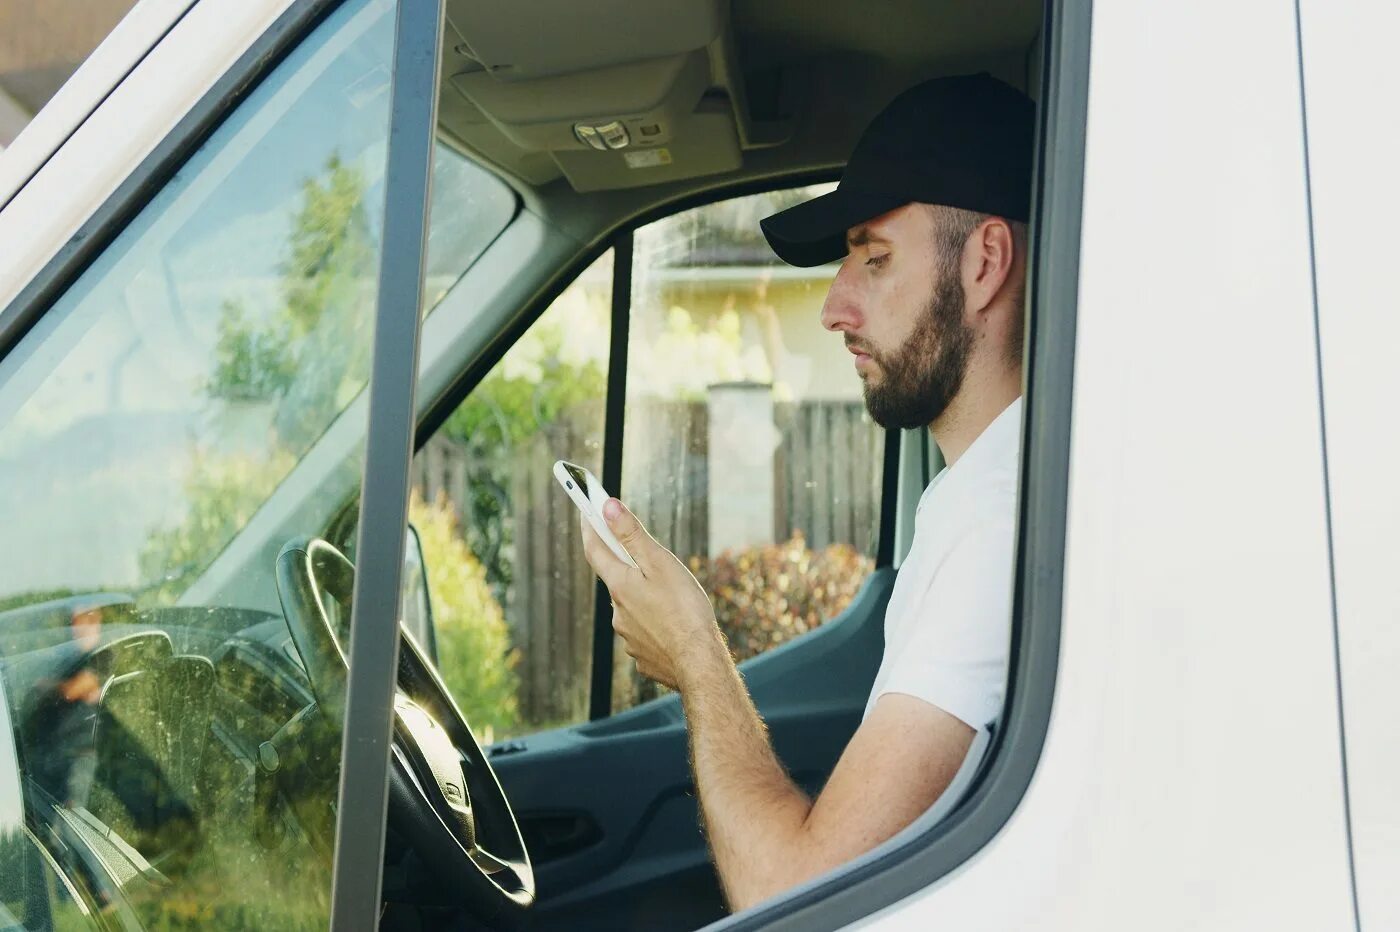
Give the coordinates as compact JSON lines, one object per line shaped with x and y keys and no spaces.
{"x":948,"y":624}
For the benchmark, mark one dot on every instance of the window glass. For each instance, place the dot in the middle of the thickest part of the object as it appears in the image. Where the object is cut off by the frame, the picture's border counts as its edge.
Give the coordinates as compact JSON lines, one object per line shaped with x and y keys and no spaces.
{"x":191,"y":403}
{"x":470,"y":207}
{"x":747,"y":448}
{"x":512,"y":596}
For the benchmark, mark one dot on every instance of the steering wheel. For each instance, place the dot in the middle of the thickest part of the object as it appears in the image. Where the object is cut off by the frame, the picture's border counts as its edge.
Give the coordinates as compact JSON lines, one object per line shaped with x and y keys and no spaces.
{"x":444,"y":798}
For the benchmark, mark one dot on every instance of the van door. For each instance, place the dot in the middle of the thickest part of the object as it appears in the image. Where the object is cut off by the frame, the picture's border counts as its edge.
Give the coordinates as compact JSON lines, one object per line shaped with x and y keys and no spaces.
{"x":159,"y":378}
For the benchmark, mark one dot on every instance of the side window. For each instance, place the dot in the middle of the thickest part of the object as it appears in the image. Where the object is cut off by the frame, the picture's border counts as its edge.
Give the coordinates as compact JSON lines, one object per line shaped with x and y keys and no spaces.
{"x":512,"y":595}
{"x":747,"y":450}
{"x":747,"y":447}
{"x":213,"y":357}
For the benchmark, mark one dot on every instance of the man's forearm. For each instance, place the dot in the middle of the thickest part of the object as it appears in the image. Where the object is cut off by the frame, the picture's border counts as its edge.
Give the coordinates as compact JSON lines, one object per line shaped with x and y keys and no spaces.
{"x":766,"y":835}
{"x":754,"y":814}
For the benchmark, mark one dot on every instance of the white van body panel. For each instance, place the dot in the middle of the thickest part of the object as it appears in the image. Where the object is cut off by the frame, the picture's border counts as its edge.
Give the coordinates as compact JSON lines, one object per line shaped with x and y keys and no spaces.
{"x":1192,"y":774}
{"x":1354,"y":148}
{"x":111,"y":142}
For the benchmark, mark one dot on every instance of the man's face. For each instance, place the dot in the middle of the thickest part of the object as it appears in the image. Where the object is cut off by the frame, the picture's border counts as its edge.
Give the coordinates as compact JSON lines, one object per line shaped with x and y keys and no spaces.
{"x":899,"y":305}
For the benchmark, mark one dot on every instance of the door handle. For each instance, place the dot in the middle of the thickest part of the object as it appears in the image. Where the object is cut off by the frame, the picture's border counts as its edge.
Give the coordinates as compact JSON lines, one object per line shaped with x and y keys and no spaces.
{"x":552,"y":835}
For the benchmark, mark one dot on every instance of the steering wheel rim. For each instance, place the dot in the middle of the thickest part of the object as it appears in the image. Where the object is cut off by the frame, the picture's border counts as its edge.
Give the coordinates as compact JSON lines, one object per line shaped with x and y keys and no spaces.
{"x":442,"y":789}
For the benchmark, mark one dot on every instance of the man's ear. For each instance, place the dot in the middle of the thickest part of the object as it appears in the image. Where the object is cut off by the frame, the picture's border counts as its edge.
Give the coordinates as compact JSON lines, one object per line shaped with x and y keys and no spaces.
{"x":987,"y":262}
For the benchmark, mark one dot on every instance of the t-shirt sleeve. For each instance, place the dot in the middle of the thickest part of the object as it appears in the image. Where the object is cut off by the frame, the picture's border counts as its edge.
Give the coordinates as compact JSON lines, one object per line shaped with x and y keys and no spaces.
{"x":957,"y":656}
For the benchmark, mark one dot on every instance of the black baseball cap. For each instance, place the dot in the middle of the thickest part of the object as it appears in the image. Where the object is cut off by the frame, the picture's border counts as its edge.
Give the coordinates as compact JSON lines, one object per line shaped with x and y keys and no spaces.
{"x":964,"y":141}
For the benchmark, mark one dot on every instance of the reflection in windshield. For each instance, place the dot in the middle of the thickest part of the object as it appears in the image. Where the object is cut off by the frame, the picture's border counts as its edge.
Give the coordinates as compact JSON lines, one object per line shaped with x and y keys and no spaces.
{"x":285,"y":353}
{"x":289,"y":370}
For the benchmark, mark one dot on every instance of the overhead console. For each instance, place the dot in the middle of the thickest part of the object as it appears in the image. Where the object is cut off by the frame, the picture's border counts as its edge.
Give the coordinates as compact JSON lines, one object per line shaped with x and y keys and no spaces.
{"x":608,"y":93}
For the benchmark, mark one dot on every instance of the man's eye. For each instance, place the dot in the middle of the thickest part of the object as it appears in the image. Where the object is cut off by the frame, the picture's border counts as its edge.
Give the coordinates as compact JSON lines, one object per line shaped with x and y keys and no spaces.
{"x":877,"y":261}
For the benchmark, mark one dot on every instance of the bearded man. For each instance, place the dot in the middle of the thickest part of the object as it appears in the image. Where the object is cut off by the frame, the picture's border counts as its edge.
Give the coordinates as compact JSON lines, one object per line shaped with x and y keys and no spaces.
{"x":930,"y":216}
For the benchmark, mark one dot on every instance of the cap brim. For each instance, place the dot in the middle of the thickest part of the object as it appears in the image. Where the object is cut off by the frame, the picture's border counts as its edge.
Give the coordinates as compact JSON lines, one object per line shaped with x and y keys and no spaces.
{"x":814,"y":232}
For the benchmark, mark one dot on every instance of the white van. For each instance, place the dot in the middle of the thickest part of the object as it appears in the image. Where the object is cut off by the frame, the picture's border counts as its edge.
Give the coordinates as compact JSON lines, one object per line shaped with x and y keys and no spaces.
{"x":215,"y":395}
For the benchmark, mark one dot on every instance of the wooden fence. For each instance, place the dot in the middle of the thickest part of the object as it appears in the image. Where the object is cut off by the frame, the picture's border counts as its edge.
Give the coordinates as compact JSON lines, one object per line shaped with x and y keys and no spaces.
{"x":826,"y":485}
{"x":827,"y":473}
{"x":665,"y":480}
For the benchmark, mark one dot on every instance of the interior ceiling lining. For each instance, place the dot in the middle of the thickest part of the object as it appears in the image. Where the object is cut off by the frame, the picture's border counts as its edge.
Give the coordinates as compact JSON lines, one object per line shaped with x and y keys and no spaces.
{"x":849,"y":59}
{"x":562,"y":37}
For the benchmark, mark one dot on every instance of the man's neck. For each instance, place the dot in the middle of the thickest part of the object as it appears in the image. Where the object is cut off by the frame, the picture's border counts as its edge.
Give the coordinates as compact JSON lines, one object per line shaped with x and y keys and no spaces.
{"x":982,"y":398}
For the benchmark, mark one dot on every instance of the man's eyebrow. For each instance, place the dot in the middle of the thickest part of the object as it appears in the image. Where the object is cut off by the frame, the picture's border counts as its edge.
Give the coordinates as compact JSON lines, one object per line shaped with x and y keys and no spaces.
{"x":863,"y":237}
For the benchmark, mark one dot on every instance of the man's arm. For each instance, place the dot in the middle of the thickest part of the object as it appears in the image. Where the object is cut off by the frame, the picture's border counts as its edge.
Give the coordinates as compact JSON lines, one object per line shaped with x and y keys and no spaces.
{"x":765,"y":833}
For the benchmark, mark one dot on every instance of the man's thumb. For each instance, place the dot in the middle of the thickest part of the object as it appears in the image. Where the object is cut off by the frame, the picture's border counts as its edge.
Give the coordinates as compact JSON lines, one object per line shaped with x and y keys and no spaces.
{"x":624,"y":525}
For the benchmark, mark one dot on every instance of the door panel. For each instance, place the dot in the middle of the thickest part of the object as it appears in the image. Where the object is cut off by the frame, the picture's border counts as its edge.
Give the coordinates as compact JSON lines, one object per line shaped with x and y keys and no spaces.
{"x":628,"y":777}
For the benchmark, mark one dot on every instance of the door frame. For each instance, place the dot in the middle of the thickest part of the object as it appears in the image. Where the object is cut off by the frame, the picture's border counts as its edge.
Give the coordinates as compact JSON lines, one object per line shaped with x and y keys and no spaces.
{"x":358,"y":870}
{"x":373,"y":652}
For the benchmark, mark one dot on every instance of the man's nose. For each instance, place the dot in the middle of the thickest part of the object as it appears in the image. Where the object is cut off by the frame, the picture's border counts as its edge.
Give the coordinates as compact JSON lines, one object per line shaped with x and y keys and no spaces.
{"x":841,"y":310}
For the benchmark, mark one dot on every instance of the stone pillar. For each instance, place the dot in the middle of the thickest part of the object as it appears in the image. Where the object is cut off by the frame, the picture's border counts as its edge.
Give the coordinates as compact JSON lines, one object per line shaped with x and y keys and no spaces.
{"x":742,"y":442}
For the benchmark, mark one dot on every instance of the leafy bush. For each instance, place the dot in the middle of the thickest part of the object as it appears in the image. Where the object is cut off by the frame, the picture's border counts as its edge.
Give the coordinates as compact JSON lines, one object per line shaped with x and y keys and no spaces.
{"x":475,"y":656}
{"x":764,"y":596}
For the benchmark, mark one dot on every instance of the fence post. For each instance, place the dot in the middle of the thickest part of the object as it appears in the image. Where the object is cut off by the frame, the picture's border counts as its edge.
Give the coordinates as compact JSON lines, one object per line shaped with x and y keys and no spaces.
{"x":742,"y":442}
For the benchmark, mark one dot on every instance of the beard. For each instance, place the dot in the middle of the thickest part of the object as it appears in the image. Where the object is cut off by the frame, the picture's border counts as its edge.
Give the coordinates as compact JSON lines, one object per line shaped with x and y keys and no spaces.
{"x":919,"y":379}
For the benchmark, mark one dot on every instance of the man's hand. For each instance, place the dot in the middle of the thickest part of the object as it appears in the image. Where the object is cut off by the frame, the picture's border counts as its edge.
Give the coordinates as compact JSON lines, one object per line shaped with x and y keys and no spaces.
{"x":665,"y":619}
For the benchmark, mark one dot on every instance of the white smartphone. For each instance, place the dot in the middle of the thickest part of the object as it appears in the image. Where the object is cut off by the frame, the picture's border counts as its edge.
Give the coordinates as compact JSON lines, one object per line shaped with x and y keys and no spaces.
{"x":588,"y":494}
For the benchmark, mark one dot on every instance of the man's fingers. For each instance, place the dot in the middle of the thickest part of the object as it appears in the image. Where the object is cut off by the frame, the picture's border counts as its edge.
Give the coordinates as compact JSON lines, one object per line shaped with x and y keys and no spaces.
{"x":605,"y":563}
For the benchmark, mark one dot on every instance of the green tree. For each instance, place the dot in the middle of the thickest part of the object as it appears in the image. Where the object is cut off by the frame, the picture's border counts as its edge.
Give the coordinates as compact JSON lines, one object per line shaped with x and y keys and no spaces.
{"x":306,"y":358}
{"x":330,"y":248}
{"x":251,"y":363}
{"x":311,"y":350}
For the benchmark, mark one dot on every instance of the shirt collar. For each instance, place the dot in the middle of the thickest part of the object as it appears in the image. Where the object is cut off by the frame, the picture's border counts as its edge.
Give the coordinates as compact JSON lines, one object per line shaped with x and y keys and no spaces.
{"x":997,"y":441}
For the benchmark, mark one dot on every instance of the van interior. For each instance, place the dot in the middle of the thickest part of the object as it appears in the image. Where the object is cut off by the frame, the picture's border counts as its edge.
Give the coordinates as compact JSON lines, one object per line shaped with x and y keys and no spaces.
{"x":748,"y":94}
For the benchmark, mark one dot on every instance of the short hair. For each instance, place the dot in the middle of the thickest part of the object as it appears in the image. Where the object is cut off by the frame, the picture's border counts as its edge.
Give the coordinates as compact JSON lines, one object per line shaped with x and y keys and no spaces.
{"x":952,"y":226}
